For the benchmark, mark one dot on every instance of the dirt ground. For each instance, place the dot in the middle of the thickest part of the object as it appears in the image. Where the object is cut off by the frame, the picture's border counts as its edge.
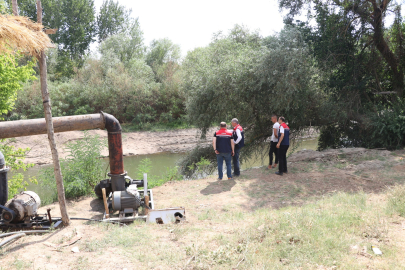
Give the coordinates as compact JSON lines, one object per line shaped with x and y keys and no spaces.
{"x":134,"y":143}
{"x":312,"y":175}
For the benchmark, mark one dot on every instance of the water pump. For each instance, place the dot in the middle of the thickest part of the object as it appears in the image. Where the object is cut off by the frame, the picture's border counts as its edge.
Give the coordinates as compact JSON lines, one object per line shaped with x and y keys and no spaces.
{"x":22,"y":207}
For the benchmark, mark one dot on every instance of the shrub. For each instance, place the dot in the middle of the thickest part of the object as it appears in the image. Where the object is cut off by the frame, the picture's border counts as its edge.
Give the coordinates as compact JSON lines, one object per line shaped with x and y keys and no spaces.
{"x":396,"y":200}
{"x":15,"y":160}
{"x":82,"y":169}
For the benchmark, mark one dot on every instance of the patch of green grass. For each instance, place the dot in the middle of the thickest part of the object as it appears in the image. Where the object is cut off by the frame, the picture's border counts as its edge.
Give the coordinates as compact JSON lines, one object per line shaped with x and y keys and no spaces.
{"x":20,"y":264}
{"x":207,"y":214}
{"x":396,"y":201}
{"x":82,"y":263}
{"x":322,"y":166}
{"x":321,"y":233}
{"x":340,"y":165}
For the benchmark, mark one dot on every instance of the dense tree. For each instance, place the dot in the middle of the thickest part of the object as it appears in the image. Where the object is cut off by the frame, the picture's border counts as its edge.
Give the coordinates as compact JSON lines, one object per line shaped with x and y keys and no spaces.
{"x":242,"y":75}
{"x":11,"y":77}
{"x":75,"y":21}
{"x":112,"y":19}
{"x":77,"y":29}
{"x":362,"y":21}
{"x":126,"y":45}
{"x":163,"y":56}
{"x":362,"y":69}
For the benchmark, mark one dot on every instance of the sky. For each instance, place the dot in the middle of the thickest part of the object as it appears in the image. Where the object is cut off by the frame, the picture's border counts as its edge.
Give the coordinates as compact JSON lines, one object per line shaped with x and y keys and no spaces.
{"x":191,"y":24}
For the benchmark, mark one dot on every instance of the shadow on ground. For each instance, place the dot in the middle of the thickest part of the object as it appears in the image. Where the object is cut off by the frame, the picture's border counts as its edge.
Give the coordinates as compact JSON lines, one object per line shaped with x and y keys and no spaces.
{"x":218,"y":187}
{"x":311,"y":180}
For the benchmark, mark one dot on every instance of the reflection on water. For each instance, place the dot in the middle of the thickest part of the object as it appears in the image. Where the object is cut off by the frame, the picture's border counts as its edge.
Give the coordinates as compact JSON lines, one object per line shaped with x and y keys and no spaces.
{"x":159,"y":164}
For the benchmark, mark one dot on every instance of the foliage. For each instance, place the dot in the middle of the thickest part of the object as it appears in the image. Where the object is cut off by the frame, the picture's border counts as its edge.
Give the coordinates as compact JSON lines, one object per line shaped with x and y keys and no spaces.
{"x":200,"y":162}
{"x":245,"y":76}
{"x":362,"y":25}
{"x":11,"y":77}
{"x":396,"y":200}
{"x":361,"y":69}
{"x":112,"y":19}
{"x":15,"y":160}
{"x":382,"y":129}
{"x":125,"y":46}
{"x":82,"y":169}
{"x":120,"y":83}
{"x":75,"y":21}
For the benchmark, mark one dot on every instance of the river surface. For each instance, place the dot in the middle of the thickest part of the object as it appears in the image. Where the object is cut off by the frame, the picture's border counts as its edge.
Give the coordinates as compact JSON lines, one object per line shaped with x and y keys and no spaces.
{"x":159,"y":163}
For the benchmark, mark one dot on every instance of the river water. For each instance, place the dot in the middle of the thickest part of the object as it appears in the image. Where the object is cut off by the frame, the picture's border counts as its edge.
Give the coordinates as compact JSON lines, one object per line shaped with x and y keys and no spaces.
{"x":159,"y":162}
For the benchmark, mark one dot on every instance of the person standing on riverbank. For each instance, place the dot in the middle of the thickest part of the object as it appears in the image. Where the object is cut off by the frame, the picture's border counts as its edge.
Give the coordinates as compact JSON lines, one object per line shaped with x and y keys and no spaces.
{"x":273,"y":143}
{"x":239,"y":140}
{"x":224,"y":148}
{"x":282,"y":145}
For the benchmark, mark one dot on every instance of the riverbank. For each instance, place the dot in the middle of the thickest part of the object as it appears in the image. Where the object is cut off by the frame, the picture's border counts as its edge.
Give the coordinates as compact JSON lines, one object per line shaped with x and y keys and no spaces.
{"x":134,"y":143}
{"x":324,"y":214}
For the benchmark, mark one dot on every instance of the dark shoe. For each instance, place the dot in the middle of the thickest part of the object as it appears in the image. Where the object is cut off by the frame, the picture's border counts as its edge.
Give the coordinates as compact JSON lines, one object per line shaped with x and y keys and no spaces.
{"x":235,"y":175}
{"x":279,"y":173}
{"x":285,"y":172}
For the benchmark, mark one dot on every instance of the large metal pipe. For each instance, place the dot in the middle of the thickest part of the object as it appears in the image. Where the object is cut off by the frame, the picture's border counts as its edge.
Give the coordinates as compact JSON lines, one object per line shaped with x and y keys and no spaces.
{"x":11,"y":129}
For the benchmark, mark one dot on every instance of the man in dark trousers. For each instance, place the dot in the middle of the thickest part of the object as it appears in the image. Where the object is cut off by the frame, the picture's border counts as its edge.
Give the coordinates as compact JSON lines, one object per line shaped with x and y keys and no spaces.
{"x":224,"y":147}
{"x":239,"y":140}
{"x":282,"y":145}
{"x":273,"y":142}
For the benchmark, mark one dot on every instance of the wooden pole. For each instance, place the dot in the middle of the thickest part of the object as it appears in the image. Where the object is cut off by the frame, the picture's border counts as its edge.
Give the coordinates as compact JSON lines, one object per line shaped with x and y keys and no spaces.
{"x":15,"y":7}
{"x":107,"y":212}
{"x":49,"y":125}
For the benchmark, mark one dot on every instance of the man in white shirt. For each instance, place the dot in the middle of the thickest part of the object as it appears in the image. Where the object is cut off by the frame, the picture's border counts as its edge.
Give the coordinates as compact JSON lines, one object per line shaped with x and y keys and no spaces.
{"x":239,"y":141}
{"x":273,"y":143}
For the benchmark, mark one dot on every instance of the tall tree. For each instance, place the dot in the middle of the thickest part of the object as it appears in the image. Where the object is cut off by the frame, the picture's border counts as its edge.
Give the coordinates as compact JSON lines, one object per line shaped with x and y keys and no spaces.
{"x":75,"y":20}
{"x":125,"y":45}
{"x":364,"y":21}
{"x":112,"y":19}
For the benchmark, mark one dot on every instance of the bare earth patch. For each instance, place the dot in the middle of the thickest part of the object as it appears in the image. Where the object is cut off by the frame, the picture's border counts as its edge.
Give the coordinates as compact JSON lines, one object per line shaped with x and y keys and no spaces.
{"x":318,"y":216}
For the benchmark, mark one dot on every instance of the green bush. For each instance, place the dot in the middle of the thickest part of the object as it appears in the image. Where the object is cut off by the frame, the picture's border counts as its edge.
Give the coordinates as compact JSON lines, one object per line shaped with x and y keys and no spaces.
{"x":15,"y":160}
{"x":382,"y":128}
{"x":82,"y":169}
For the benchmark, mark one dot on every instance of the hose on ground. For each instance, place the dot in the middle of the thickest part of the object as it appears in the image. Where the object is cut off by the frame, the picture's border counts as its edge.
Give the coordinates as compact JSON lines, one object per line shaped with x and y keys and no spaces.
{"x":26,"y":232}
{"x":90,"y":219}
{"x":12,"y":238}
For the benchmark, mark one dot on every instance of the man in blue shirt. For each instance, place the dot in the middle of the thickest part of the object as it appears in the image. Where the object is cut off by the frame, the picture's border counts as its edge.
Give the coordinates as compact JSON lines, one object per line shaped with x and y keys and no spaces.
{"x":224,"y":147}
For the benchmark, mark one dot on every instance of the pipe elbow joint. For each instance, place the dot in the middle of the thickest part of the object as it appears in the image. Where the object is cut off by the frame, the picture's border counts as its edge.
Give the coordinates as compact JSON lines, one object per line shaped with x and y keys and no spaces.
{"x":112,"y":125}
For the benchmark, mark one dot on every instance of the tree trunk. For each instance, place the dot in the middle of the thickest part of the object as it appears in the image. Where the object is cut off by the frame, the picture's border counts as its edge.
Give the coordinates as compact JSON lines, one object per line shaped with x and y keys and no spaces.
{"x":49,"y":124}
{"x":15,"y":7}
{"x":383,"y":48}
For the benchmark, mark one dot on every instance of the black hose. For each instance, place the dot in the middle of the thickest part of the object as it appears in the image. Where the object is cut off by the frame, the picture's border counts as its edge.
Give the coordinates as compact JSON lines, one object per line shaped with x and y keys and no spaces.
{"x":12,"y":238}
{"x":90,"y":219}
{"x":26,"y":232}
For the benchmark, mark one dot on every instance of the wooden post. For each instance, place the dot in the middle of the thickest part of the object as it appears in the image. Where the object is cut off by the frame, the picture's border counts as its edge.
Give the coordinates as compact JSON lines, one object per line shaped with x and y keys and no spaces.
{"x":49,"y":125}
{"x":107,"y":212}
{"x":15,"y":7}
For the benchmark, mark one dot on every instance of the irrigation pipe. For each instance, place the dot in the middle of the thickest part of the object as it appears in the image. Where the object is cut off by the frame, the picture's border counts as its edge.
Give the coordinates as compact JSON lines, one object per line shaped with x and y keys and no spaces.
{"x":26,"y":232}
{"x":90,"y":219}
{"x":14,"y":237}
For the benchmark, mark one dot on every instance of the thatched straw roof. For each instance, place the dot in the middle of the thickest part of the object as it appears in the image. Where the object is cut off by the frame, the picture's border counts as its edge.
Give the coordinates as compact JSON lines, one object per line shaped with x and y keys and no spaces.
{"x":21,"y":34}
